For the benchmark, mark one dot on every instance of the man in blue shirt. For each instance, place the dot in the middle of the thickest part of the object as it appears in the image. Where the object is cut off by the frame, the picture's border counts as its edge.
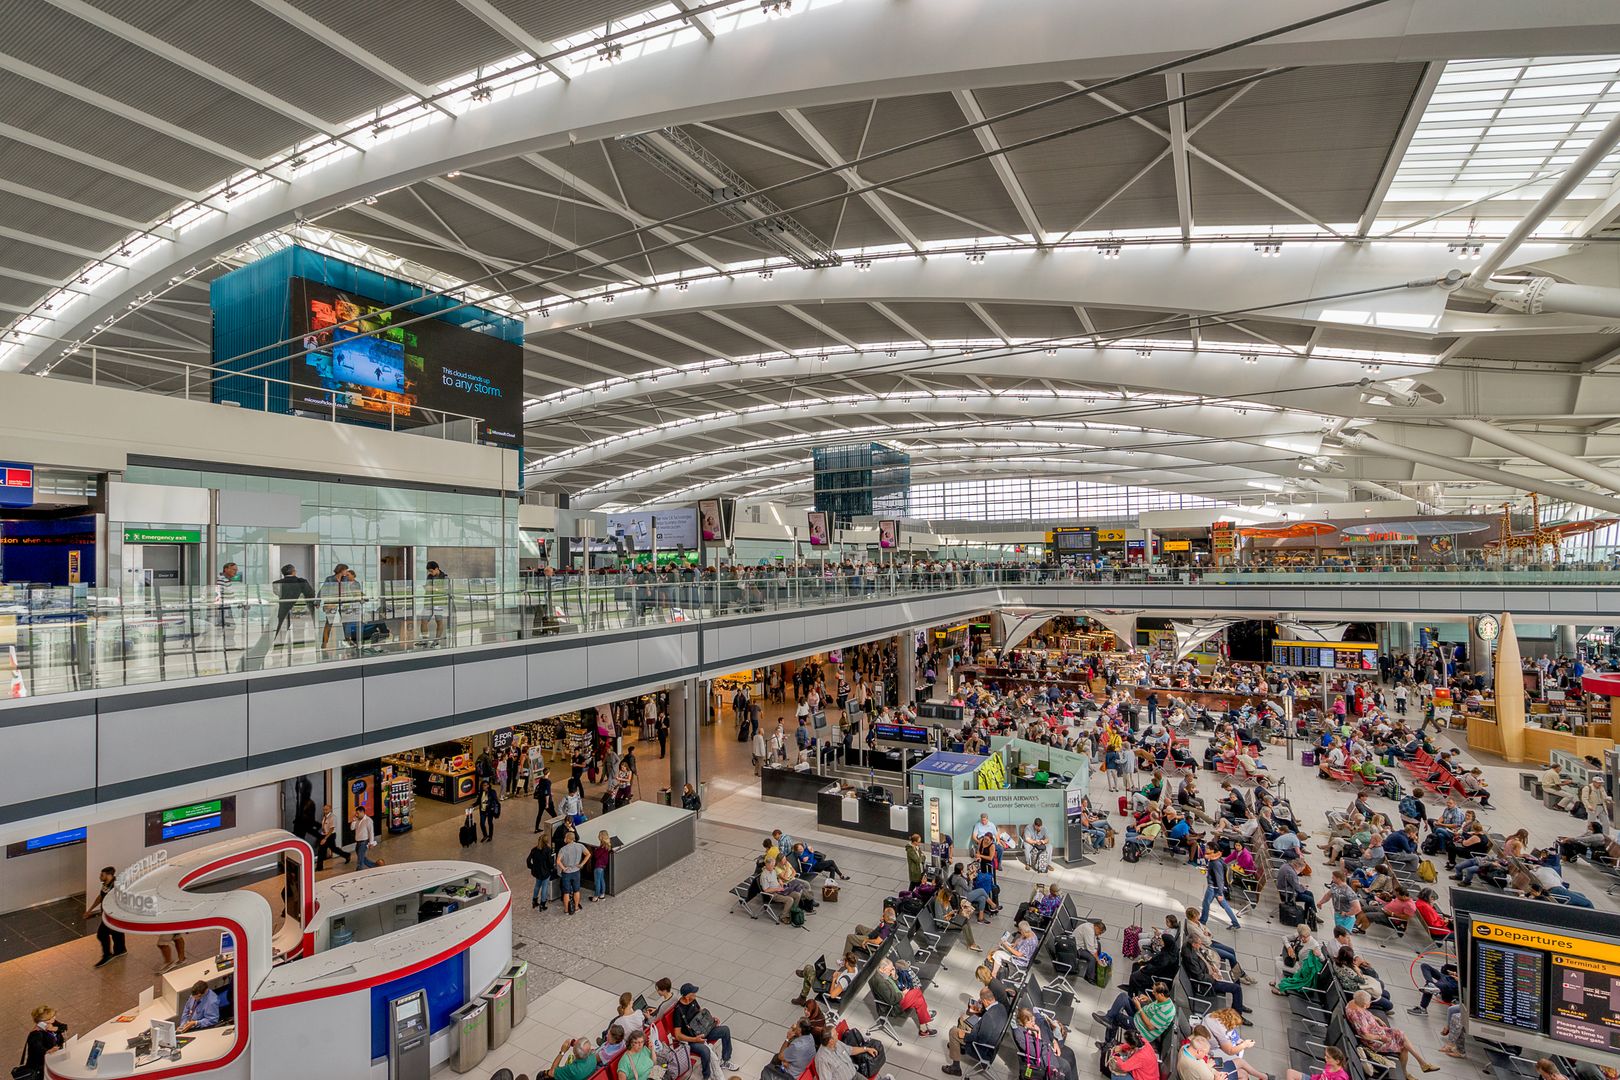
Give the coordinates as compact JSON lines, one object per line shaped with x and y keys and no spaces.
{"x":201,"y":1009}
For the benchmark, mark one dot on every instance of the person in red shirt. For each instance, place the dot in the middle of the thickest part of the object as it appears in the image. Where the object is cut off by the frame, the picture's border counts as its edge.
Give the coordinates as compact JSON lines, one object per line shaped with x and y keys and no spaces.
{"x":1133,"y":1057}
{"x":1438,"y":925}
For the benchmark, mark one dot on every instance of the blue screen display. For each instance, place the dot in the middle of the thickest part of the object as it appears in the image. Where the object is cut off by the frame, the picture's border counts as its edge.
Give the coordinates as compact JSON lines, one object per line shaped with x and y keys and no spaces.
{"x":192,"y":827}
{"x":55,"y":840}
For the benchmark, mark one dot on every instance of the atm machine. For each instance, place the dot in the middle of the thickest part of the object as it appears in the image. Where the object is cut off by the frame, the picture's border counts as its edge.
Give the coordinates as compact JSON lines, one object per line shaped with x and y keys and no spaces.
{"x":408,"y":1036}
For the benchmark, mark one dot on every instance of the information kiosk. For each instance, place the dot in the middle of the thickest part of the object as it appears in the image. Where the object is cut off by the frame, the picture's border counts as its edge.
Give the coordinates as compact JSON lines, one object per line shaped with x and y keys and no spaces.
{"x":310,"y":986}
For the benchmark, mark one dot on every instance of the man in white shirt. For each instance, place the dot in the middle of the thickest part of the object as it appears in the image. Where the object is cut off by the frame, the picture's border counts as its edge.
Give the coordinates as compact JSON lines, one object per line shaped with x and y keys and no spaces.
{"x":985,"y":827}
{"x":364,"y":833}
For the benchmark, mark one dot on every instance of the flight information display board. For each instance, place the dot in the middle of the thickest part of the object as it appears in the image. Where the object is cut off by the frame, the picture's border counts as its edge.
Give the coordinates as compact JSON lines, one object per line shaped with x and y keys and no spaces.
{"x":1509,"y":987}
{"x":1328,"y":655}
{"x":1545,"y":982}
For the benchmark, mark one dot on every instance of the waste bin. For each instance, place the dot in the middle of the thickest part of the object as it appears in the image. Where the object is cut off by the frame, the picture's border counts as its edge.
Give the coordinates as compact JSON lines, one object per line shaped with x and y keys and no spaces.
{"x":518,"y":976}
{"x":664,"y":796}
{"x":469,"y":1035}
{"x":499,"y":999}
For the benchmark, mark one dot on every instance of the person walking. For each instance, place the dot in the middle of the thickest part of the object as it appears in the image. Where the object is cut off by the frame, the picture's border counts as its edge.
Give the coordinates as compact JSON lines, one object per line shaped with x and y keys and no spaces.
{"x":543,"y":803}
{"x":365,"y":832}
{"x":435,"y":607}
{"x":328,"y":843}
{"x":489,"y":808}
{"x":289,"y":590}
{"x":1215,"y":885}
{"x":662,"y":728}
{"x":228,"y":600}
{"x":112,"y":941}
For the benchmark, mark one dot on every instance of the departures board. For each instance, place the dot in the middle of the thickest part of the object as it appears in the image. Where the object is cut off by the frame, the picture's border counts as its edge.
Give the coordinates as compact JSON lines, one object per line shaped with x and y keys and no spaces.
{"x":1543,"y":981}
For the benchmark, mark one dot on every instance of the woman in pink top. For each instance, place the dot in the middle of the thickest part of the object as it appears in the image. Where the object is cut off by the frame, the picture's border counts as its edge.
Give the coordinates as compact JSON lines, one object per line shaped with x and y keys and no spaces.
{"x":1134,"y":1058}
{"x":1333,"y":1067}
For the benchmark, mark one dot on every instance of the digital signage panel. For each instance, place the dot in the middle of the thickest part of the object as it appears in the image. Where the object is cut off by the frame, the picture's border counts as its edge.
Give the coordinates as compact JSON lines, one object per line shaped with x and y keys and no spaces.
{"x":394,"y":367}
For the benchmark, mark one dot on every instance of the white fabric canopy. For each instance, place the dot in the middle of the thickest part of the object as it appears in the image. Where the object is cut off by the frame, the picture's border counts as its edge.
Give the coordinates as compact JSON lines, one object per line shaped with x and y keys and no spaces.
{"x":1190,"y":635}
{"x":1315,"y":631}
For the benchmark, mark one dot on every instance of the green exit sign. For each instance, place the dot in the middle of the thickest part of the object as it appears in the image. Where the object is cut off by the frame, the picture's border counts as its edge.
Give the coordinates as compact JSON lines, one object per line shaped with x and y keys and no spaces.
{"x":162,"y":536}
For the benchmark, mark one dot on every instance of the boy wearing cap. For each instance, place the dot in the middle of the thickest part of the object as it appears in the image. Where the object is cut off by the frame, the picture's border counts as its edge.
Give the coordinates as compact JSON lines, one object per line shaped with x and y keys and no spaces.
{"x":697,"y":1036}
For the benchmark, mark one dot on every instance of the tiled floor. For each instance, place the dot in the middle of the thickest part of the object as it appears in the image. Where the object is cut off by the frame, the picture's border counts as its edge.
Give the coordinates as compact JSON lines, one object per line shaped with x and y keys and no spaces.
{"x":683,"y":923}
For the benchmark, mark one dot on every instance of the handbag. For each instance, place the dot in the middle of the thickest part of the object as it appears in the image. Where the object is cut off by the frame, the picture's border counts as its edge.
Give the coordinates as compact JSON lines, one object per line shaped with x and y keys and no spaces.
{"x":829,"y":893}
{"x":703,"y":1023}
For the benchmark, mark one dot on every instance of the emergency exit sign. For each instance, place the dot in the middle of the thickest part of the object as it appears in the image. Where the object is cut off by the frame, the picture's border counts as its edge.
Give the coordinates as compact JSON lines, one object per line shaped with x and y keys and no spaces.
{"x":16,"y":484}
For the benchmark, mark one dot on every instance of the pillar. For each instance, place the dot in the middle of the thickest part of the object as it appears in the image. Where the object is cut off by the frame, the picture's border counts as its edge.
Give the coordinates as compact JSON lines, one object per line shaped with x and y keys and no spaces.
{"x":1480,"y":659}
{"x":1509,"y":688}
{"x":905,"y":664}
{"x":684,"y":721}
{"x":1411,"y":637}
{"x":1565,"y":638}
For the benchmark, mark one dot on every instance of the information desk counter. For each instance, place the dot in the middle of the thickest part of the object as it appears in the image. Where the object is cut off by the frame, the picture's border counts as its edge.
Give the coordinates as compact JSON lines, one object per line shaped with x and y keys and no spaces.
{"x":311,"y":997}
{"x":1539,"y":743}
{"x":894,"y":821}
{"x":650,"y":837}
{"x":790,"y":785}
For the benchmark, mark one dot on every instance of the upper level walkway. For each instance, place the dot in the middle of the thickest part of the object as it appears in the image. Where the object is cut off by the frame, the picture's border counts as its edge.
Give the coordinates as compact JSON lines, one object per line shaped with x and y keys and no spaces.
{"x":191,"y":693}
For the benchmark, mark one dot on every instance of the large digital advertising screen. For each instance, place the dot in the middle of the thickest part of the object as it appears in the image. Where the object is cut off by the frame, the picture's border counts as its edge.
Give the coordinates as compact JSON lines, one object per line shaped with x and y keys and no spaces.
{"x":356,"y":355}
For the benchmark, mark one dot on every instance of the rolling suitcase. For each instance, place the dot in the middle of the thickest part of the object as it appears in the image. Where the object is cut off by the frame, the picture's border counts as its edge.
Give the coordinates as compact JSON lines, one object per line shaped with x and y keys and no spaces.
{"x":469,"y":834}
{"x":1124,"y":804}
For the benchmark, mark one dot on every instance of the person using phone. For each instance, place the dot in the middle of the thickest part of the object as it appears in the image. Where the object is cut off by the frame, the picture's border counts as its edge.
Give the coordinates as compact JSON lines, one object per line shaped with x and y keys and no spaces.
{"x":45,"y":1036}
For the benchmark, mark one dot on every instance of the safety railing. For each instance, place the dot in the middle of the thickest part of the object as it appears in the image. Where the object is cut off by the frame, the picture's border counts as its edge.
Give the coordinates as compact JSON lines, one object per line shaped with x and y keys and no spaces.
{"x":57,"y":640}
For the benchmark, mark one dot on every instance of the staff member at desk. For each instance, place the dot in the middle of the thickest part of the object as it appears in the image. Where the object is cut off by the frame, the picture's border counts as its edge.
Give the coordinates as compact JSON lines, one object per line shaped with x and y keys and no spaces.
{"x":201,"y":1011}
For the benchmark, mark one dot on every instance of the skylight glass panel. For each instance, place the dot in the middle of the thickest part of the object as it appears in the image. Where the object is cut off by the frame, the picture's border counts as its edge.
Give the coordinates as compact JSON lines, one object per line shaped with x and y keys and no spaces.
{"x":1492,"y":124}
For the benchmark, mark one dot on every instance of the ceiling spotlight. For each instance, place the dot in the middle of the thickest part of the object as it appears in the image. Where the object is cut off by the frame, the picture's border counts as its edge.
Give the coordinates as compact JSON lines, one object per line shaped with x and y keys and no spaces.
{"x":608,"y":298}
{"x":1108,"y":251}
{"x":975,"y":256}
{"x":1375,"y":368}
{"x":766,"y":273}
{"x":545,"y":313}
{"x":371,"y":200}
{"x":1051,"y":352}
{"x":1270,"y":249}
{"x":452,"y":174}
{"x":610,"y":52}
{"x":1468,"y":250}
{"x":759,"y":363}
{"x":863,"y":264}
{"x":891,"y":353}
{"x":774,"y":8}
{"x":682,"y":285}
{"x":1144,"y":352}
{"x":1250,"y":358}
{"x":481,"y":93}
{"x":377,"y":130}
{"x":822,"y":357}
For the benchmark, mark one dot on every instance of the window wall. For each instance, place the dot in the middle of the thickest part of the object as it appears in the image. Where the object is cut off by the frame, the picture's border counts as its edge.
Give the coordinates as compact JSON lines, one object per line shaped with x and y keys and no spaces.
{"x":1027,"y":498}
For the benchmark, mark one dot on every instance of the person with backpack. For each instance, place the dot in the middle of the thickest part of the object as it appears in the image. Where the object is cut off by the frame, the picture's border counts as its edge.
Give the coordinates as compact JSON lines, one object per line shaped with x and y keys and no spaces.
{"x":542,"y":864}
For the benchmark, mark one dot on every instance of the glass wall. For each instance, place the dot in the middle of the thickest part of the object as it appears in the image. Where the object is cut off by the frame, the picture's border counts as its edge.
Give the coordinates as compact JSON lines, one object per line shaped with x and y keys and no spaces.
{"x":1028,"y":499}
{"x":360,"y":524}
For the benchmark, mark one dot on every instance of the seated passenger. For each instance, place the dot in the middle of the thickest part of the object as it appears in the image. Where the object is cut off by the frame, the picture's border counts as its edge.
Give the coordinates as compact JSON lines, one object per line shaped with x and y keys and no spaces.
{"x":201,"y":1010}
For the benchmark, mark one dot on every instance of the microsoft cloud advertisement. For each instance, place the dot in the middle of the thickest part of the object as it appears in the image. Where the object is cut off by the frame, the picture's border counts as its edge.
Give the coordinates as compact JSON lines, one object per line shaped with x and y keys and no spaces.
{"x":379,"y":366}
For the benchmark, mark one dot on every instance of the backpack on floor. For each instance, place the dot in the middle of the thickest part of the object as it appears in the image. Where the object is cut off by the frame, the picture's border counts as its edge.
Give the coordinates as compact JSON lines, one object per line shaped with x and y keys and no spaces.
{"x":796,"y":916}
